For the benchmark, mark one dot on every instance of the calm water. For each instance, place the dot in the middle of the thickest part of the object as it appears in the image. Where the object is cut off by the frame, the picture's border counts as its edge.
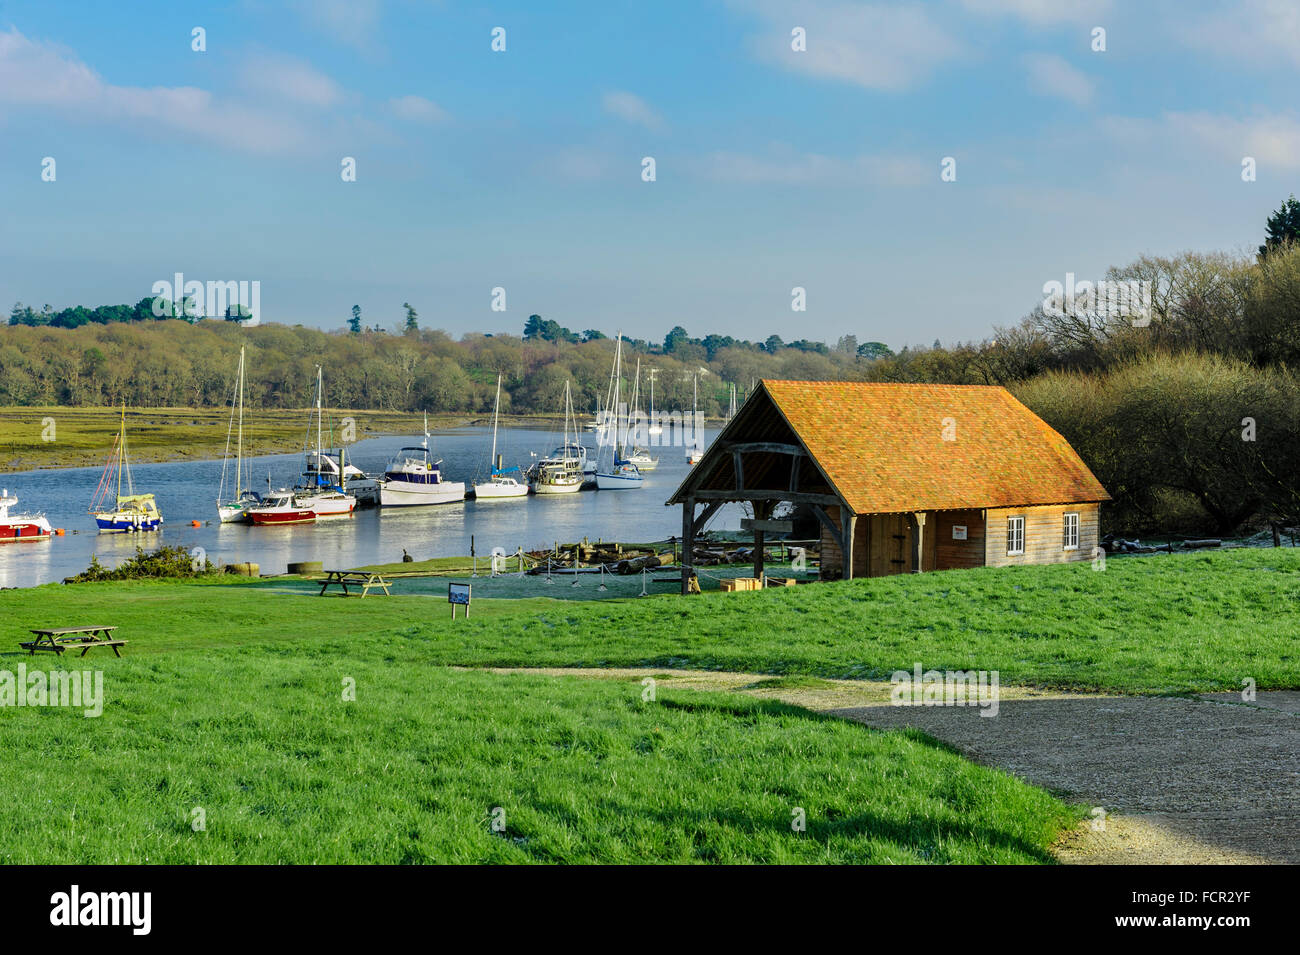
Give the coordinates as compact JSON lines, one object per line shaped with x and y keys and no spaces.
{"x":187,"y":490}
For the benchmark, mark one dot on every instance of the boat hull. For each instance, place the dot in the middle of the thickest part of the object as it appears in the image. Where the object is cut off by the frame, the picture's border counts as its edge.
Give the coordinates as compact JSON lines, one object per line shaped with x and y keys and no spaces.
{"x":234,"y":513}
{"x":617,"y":482}
{"x":24,"y":530}
{"x":408,"y":494}
{"x":541,"y":488}
{"x":126,"y":523}
{"x":493,"y":491}
{"x":288,"y":516}
{"x":331,"y":505}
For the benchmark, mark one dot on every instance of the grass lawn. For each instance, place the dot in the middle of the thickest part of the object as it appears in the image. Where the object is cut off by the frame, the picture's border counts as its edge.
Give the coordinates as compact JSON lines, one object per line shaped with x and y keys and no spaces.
{"x":1158,"y":624}
{"x":229,"y":698}
{"x":285,"y":770}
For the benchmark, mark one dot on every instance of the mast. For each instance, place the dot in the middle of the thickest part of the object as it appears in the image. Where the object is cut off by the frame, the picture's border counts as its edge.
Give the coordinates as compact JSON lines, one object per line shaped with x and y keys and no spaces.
{"x":239,"y":444}
{"x":121,"y":455}
{"x":496,"y":413}
{"x":318,"y":424}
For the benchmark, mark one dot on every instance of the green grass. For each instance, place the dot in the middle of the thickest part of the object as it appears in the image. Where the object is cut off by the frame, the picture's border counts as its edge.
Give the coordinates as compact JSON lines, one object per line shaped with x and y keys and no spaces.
{"x":1162,"y":624}
{"x":1158,"y":624}
{"x":285,"y":771}
{"x":229,"y":699}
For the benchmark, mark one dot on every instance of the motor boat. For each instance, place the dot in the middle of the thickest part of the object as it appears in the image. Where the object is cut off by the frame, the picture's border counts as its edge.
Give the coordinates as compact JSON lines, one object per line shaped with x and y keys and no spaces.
{"x":281,"y":507}
{"x":413,"y":478}
{"x":15,"y":527}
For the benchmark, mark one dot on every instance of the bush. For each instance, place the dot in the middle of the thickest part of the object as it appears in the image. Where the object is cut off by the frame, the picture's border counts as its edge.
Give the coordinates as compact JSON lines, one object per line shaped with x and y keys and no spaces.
{"x":164,"y":562}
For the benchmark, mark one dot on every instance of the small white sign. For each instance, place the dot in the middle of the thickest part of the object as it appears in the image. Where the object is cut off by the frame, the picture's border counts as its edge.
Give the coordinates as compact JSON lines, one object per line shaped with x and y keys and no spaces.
{"x":959,"y":532}
{"x":458,"y":594}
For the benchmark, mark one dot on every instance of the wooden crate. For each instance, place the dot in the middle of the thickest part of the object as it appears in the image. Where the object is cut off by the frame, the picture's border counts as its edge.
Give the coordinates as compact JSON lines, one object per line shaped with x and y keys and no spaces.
{"x":780,"y":581}
{"x":741,"y":583}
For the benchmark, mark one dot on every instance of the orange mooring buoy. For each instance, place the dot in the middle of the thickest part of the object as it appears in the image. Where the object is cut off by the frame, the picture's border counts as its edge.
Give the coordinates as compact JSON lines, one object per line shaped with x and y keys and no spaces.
{"x":196,"y":523}
{"x":58,"y":532}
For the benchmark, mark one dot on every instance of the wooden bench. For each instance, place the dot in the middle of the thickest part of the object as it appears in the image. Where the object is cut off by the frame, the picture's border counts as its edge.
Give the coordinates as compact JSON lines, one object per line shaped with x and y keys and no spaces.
{"x":355,"y":578}
{"x":59,"y":639}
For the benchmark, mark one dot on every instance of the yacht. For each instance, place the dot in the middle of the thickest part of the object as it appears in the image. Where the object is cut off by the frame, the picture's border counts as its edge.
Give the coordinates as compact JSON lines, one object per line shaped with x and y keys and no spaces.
{"x":15,"y":527}
{"x":413,"y":478}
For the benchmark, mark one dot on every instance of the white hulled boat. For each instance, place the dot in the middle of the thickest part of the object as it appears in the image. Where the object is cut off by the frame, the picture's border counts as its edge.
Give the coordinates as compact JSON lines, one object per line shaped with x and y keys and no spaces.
{"x":619,"y":474}
{"x":501,"y":484}
{"x":234,"y":509}
{"x":21,"y":527}
{"x":413,"y":478}
{"x":563,"y":471}
{"x":327,"y":494}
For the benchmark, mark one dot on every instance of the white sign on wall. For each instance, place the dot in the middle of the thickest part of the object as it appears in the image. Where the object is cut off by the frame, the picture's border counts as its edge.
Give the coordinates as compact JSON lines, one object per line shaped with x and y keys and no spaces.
{"x":959,"y":532}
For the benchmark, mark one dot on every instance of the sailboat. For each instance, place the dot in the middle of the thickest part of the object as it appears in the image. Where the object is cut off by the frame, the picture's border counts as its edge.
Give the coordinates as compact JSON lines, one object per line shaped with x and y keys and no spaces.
{"x":655,"y":428}
{"x":501,"y":484}
{"x":563,"y":472}
{"x":414,"y":478}
{"x":696,"y":450}
{"x":639,"y":456}
{"x":235,"y":509}
{"x":324,"y":498}
{"x":130,"y":511}
{"x":620,"y":474}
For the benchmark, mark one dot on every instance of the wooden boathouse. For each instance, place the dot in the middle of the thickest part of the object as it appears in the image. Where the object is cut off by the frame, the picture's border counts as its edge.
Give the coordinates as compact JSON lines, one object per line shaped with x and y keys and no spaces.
{"x":903,"y":478}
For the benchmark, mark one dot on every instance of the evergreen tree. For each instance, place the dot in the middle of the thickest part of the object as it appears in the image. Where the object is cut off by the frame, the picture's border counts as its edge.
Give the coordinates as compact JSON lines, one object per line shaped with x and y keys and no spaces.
{"x":1283,"y":226}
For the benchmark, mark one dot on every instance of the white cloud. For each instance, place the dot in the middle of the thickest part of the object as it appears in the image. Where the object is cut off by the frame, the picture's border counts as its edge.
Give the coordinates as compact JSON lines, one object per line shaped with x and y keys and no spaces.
{"x":633,"y":109}
{"x":1042,"y":12}
{"x":290,"y":79}
{"x":872,"y":45}
{"x":417,"y":109}
{"x":1255,"y":31}
{"x":353,"y":22}
{"x":34,"y":74}
{"x":1272,"y":139}
{"x":784,"y":166}
{"x":1051,"y":75}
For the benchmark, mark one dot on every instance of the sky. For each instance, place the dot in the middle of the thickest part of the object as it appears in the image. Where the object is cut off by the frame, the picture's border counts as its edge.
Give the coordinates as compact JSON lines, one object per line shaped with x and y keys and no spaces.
{"x":524,"y":169}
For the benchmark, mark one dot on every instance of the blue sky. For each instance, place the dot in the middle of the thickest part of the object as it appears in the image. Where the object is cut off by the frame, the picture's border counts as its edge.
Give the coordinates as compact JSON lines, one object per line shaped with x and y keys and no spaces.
{"x":521,"y":169}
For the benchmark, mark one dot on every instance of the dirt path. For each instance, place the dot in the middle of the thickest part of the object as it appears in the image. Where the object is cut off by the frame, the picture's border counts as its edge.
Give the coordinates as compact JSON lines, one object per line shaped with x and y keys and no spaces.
{"x":1210,"y":780}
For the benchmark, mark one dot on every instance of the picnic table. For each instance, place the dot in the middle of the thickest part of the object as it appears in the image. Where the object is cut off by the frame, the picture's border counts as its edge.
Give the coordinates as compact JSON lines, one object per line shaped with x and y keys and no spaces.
{"x":59,"y":639}
{"x":355,"y":578}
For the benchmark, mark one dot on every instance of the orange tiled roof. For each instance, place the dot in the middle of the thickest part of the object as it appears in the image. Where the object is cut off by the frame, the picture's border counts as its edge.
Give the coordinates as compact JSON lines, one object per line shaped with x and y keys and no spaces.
{"x":882,"y":446}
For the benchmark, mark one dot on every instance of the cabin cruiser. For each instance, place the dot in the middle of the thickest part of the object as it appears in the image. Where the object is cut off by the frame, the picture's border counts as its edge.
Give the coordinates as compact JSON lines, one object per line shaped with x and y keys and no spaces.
{"x":570,"y":456}
{"x":281,"y":507}
{"x":21,"y":526}
{"x":413,"y":478}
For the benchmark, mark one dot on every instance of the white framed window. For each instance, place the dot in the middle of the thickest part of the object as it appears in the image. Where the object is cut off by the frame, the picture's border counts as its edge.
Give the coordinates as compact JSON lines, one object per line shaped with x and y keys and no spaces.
{"x":1015,"y":536}
{"x":1070,"y":532}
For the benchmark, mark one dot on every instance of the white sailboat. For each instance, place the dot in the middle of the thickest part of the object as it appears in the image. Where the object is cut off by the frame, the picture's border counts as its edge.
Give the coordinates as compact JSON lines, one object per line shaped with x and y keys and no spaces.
{"x":413,"y":479}
{"x":655,"y":428}
{"x":696,"y":450}
{"x":501,"y":484}
{"x":563,"y":471}
{"x":619,"y":474}
{"x":640,"y":456}
{"x":234,"y":509}
{"x":324,"y":498}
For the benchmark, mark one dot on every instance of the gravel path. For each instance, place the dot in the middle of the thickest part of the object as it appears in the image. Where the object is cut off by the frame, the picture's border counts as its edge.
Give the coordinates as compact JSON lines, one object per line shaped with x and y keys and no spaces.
{"x":1208,"y":780}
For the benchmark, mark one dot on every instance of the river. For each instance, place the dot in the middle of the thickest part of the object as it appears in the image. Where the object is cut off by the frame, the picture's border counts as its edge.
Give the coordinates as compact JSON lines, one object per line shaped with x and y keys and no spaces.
{"x":187,"y":490}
